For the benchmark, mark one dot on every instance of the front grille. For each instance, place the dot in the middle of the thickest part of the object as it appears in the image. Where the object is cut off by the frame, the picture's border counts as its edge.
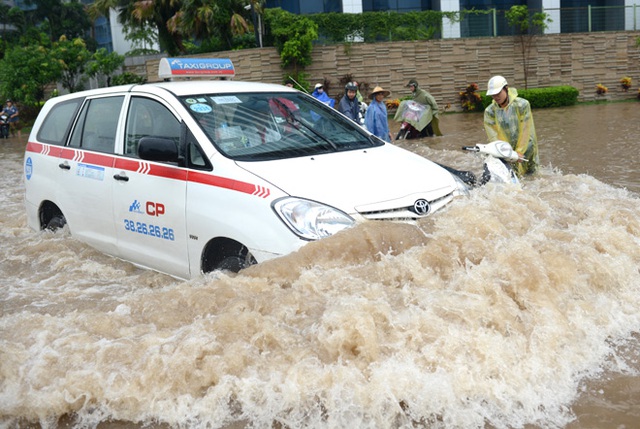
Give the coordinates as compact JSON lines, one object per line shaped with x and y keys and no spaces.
{"x":405,"y":214}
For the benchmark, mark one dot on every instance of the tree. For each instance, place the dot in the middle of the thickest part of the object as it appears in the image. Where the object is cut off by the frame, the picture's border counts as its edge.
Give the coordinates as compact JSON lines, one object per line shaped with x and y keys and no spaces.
{"x":292,"y":36}
{"x":27,"y":70}
{"x":203,"y":20}
{"x":528,"y":26}
{"x":68,"y":18}
{"x":178,"y":21}
{"x":137,"y":14}
{"x":14,"y":25}
{"x":104,"y":64}
{"x":249,"y":19}
{"x":142,"y":38}
{"x":128,"y":78}
{"x":73,"y":56}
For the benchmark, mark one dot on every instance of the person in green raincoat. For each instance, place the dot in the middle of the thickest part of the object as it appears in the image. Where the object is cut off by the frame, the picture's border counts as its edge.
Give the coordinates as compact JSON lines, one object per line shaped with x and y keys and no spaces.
{"x":509,"y":118}
{"x":423,"y":97}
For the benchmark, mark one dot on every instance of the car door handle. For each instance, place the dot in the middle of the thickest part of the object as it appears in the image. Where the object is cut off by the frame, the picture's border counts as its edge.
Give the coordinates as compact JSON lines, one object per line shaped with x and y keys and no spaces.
{"x":64,"y":166}
{"x":121,"y":177}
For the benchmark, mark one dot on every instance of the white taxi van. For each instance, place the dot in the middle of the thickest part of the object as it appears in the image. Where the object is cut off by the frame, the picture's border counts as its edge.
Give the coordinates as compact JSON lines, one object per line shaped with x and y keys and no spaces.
{"x":192,"y":176}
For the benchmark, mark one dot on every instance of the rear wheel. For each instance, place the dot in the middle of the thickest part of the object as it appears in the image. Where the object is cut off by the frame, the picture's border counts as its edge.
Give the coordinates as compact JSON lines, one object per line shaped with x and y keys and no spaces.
{"x":51,"y":218}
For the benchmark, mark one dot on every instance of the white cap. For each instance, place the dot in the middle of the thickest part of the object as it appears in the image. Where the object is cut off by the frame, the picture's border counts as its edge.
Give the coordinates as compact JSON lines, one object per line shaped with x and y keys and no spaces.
{"x":496,"y":84}
{"x":319,"y":85}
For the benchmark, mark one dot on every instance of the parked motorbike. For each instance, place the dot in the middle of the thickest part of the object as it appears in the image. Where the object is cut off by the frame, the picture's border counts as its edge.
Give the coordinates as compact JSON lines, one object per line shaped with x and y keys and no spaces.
{"x":361,"y":113}
{"x":4,"y":126}
{"x":408,"y":131}
{"x":498,"y":157}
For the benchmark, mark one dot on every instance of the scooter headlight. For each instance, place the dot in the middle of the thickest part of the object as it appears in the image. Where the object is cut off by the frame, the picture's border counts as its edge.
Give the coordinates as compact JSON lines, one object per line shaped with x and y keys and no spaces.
{"x":311,"y":220}
{"x":506,"y":151}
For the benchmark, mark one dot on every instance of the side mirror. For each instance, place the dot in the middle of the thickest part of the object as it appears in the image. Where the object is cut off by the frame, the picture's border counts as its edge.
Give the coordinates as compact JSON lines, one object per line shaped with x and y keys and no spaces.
{"x":158,"y":149}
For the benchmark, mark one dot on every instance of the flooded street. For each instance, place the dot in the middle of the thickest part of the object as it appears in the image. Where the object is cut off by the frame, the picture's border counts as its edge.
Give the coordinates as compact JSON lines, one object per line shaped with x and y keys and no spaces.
{"x":599,"y":140}
{"x":513,"y":308}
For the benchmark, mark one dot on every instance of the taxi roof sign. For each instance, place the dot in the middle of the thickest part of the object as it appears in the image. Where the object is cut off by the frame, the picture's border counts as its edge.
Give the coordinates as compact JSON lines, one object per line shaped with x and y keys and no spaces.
{"x":195,"y":67}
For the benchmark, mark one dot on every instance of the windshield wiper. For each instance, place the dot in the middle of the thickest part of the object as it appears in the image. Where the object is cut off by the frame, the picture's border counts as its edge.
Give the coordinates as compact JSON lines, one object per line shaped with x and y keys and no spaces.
{"x":295,"y":122}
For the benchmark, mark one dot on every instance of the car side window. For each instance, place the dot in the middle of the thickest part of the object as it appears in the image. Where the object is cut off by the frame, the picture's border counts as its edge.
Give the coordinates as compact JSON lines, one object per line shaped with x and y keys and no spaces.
{"x":97,"y":124}
{"x":147,"y":117}
{"x":56,"y":125}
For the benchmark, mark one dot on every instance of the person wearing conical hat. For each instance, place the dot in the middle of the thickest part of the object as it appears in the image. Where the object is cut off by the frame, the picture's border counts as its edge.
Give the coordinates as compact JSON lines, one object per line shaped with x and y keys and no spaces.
{"x":376,"y":120}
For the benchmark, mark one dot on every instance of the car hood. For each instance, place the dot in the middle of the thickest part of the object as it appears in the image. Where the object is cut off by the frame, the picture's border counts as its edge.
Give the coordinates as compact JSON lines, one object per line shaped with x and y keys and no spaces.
{"x":384,"y":179}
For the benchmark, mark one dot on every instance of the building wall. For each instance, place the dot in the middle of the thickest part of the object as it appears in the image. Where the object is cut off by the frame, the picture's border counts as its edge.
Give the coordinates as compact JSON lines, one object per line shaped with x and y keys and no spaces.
{"x":120,"y":44}
{"x":445,"y":67}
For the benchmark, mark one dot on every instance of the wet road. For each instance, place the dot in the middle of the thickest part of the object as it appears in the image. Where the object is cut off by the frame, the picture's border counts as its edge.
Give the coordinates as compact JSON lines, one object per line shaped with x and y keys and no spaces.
{"x":512,"y":308}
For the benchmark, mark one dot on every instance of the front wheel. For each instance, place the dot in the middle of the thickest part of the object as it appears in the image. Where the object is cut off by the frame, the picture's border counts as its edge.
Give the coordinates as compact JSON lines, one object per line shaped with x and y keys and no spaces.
{"x":56,"y":223}
{"x":235,"y":263}
{"x":403,"y":134}
{"x":225,"y":254}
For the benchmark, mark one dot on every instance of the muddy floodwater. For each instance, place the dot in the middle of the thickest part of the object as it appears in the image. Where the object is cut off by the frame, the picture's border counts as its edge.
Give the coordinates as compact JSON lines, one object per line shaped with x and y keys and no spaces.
{"x":512,"y":308}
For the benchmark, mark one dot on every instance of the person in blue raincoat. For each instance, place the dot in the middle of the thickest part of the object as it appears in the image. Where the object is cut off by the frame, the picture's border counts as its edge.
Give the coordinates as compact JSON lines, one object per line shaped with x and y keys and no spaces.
{"x":319,"y":93}
{"x":376,"y":119}
{"x":349,"y":104}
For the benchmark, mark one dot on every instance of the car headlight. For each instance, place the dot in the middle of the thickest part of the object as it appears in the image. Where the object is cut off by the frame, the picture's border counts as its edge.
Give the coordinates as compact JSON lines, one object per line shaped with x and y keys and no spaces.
{"x":311,"y":220}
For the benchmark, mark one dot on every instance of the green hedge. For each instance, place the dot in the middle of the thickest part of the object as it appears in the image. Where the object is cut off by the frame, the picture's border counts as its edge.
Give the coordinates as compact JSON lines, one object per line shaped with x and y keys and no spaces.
{"x":378,"y":26}
{"x":553,"y":96}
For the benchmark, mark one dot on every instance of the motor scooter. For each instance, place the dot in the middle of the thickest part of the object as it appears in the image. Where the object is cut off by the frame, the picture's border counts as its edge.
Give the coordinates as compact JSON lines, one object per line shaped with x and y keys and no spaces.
{"x":498,"y":157}
{"x":415,"y":120}
{"x":408,"y":131}
{"x":4,"y":126}
{"x":361,"y":114}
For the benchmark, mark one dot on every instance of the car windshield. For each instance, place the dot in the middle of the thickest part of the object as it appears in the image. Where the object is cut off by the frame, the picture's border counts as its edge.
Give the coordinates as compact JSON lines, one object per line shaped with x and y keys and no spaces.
{"x":265,"y":126}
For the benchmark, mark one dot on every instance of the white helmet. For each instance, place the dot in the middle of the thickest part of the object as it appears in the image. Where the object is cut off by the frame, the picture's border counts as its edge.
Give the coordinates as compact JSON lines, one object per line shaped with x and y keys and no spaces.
{"x":496,"y":84}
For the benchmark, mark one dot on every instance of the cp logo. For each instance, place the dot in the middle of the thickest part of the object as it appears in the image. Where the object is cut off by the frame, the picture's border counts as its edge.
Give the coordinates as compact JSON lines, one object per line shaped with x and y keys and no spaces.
{"x":155,"y":209}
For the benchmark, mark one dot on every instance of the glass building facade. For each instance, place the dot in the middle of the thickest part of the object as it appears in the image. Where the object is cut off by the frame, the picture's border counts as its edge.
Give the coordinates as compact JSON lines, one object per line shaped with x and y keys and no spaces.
{"x":488,"y":24}
{"x":306,"y":6}
{"x":568,"y":16}
{"x":593,"y":15}
{"x":102,"y":33}
{"x":396,"y":5}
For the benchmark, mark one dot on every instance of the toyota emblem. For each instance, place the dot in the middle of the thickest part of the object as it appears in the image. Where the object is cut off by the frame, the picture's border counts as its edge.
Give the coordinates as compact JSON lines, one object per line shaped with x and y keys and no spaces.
{"x":421,"y":207}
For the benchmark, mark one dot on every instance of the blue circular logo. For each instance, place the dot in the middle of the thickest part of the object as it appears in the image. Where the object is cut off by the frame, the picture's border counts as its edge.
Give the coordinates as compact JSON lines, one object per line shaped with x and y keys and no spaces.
{"x":28,"y":168}
{"x":201,"y":108}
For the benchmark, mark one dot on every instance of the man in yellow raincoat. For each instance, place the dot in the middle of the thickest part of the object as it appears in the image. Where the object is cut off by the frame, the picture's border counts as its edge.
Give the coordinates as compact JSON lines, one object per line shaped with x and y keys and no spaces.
{"x":509,"y":118}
